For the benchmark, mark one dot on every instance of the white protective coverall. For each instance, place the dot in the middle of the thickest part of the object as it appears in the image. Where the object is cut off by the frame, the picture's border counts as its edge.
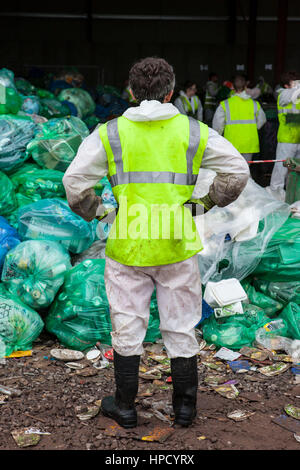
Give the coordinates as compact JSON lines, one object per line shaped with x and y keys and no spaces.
{"x":219,"y":120}
{"x":179,"y":105}
{"x":129,"y":288}
{"x":284,"y":150}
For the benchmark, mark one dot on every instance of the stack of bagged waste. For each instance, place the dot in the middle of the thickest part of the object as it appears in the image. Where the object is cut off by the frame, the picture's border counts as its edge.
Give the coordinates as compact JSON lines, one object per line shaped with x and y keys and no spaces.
{"x":255,"y":241}
{"x":15,"y":133}
{"x":56,"y":142}
{"x":79,"y":316}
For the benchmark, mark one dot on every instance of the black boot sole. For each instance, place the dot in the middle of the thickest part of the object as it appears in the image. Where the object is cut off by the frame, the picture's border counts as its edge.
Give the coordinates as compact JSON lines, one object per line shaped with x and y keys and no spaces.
{"x":119,"y":421}
{"x":116,"y":414}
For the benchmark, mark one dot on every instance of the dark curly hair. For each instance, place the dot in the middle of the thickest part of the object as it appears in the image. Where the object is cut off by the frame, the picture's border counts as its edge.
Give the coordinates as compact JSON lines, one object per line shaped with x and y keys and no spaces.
{"x":151,"y":78}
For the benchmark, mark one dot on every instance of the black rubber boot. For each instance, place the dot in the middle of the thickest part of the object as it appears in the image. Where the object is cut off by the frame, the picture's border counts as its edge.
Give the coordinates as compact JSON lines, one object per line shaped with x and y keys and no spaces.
{"x":185,"y":384}
{"x":121,"y":407}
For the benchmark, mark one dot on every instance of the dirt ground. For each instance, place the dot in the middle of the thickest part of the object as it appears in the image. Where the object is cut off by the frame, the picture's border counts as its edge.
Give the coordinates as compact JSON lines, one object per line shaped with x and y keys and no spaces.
{"x":52,"y":395}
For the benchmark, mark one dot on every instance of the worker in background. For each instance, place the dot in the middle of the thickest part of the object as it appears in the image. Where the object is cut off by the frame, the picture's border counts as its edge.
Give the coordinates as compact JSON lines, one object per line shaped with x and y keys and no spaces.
{"x":188,"y":102}
{"x":288,"y":136}
{"x":239,"y":118}
{"x":210,"y":103}
{"x":152,"y":155}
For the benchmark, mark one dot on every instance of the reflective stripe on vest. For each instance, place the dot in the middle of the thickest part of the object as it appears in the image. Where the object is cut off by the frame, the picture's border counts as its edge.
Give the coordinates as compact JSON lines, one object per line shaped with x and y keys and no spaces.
{"x":187,"y":104}
{"x":239,"y":121}
{"x":122,"y":177}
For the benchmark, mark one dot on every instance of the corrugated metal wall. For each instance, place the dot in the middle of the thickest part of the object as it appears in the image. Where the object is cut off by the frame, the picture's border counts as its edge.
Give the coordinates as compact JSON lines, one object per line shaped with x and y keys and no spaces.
{"x":104,"y":48}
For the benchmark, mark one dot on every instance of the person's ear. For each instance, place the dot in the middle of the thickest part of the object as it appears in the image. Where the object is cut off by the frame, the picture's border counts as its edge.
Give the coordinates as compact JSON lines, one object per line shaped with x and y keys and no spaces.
{"x":168,"y":96}
{"x":132,"y":95}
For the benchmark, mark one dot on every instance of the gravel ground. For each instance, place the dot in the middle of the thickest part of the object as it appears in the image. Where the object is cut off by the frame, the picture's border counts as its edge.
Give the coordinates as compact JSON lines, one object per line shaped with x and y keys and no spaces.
{"x":52,"y":395}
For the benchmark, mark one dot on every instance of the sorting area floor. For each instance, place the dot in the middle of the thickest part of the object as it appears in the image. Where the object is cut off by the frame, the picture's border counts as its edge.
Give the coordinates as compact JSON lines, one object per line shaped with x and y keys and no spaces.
{"x":59,"y":407}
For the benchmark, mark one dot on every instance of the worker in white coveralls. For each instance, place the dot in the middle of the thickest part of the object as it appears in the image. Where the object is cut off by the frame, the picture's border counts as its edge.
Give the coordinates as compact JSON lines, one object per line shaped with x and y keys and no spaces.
{"x":188,"y":102}
{"x":239,"y":118}
{"x":288,"y":136}
{"x":152,"y":155}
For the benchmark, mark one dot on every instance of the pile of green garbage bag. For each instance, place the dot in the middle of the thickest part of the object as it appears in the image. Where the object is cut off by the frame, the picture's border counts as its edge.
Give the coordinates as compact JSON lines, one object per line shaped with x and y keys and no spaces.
{"x":19,"y":324}
{"x":51,"y":108}
{"x":56,"y":142}
{"x":52,"y":219}
{"x":80,"y":317}
{"x":15,"y":133}
{"x":81,"y":99}
{"x":24,"y":87}
{"x":10,"y":99}
{"x":34,"y":271}
{"x":235,"y":331}
{"x":36,"y":183}
{"x":8,"y":200}
{"x":280,"y":261}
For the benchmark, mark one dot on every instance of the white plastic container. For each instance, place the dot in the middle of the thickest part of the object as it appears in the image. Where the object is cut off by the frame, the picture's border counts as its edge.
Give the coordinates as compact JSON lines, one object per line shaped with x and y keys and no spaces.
{"x":225,"y":292}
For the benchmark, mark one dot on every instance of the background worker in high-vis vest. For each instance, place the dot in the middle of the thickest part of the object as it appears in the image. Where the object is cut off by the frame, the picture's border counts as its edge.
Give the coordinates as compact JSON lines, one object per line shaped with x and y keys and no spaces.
{"x":288,"y":136}
{"x":188,"y":102}
{"x":240,"y":117}
{"x":210,"y":102}
{"x":152,"y":155}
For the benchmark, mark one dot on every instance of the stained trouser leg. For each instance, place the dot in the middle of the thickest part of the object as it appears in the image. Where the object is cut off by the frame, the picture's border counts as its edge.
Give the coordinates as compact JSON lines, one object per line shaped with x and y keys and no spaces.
{"x":179,"y":299}
{"x":129,"y":293}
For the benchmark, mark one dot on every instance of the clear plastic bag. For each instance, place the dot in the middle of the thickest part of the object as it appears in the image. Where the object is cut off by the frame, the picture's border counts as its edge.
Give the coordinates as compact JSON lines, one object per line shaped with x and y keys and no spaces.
{"x":19,"y":324}
{"x":222,"y":258}
{"x":34,"y":271}
{"x":80,"y":98}
{"x":52,"y":219}
{"x":15,"y":133}
{"x":36,"y":183}
{"x":95,"y":251}
{"x":57,"y":142}
{"x":51,"y":108}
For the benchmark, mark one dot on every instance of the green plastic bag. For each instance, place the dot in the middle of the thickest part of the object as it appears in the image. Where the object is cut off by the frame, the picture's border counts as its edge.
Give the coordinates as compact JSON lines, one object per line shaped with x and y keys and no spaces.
{"x":57,"y":142}
{"x":80,"y":98}
{"x":15,"y":133}
{"x":8,"y":200}
{"x":24,"y":86}
{"x":36,"y":183}
{"x":52,"y":108}
{"x":79,"y":316}
{"x":10,"y":100}
{"x":19,"y":324}
{"x":34,"y":271}
{"x":283,"y":292}
{"x":52,"y":219}
{"x":153,"y":331}
{"x":270,"y":306}
{"x":236,"y":331}
{"x":291,"y":315}
{"x":281,"y":259}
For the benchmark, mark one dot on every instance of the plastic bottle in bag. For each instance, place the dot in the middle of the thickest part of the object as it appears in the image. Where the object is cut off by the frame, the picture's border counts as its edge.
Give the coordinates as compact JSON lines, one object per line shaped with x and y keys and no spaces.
{"x":52,"y":219}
